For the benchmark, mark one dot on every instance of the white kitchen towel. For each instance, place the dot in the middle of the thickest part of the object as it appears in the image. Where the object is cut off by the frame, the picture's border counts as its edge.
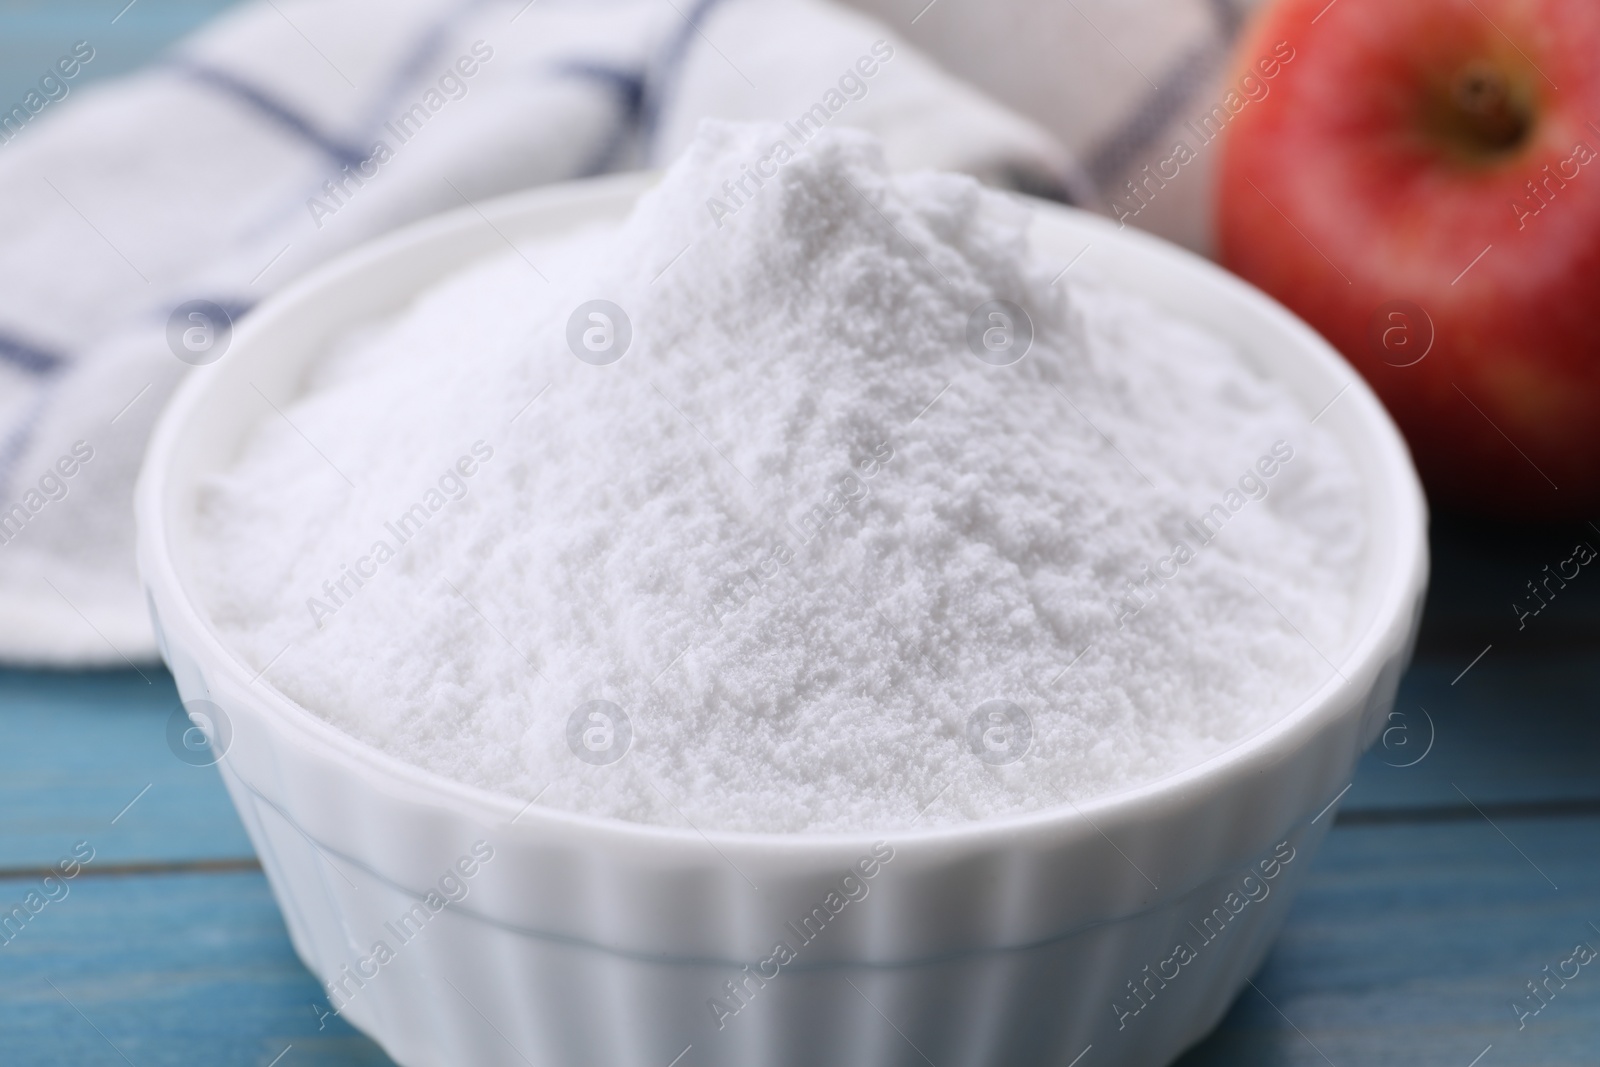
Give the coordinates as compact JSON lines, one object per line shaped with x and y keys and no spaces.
{"x":290,"y":130}
{"x":1121,"y":83}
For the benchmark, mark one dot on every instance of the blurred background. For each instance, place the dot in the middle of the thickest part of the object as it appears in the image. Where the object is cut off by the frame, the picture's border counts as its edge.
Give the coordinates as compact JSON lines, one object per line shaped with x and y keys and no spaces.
{"x":1465,"y":860}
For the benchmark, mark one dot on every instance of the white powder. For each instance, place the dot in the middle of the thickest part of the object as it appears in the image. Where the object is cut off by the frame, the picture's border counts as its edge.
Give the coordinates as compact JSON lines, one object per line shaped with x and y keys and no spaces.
{"x":799,"y":535}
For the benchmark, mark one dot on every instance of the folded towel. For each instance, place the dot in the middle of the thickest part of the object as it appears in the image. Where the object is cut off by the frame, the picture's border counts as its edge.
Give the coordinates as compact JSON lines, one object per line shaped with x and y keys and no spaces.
{"x":813,"y":59}
{"x":1121,"y":83}
{"x":145,"y":215}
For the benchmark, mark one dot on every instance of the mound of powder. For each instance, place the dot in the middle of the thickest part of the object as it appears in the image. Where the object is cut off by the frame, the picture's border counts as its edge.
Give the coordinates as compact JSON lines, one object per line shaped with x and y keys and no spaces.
{"x":783,"y":535}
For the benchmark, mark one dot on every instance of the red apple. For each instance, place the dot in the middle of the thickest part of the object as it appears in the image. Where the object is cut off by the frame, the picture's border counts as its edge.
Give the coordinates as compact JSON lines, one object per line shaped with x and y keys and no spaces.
{"x":1422,"y":185}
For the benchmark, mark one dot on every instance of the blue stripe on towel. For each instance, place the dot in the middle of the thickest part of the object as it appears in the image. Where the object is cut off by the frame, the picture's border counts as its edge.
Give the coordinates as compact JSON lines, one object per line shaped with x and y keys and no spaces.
{"x":629,"y":88}
{"x":1229,"y":17}
{"x":16,"y":442}
{"x":235,"y":309}
{"x":669,"y":65}
{"x":424,"y":52}
{"x":19,"y":353}
{"x":1116,"y":153}
{"x":285,"y":117}
{"x":627,"y":84}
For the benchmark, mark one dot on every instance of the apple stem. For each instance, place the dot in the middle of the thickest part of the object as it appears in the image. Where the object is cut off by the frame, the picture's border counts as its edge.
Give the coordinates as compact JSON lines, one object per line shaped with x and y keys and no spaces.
{"x":1487,"y":109}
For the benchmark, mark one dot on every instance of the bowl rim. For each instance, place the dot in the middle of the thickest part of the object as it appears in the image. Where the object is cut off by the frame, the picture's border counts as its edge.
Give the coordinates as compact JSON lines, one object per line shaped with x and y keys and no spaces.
{"x":1390,"y":625}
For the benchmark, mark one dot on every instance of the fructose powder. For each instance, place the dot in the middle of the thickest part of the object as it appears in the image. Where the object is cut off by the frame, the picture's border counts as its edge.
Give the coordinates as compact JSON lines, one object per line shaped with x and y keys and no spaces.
{"x":807,"y":499}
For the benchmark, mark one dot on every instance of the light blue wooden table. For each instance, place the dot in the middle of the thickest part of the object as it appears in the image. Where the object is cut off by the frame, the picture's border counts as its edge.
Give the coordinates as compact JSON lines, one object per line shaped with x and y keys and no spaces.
{"x":1444,"y":887}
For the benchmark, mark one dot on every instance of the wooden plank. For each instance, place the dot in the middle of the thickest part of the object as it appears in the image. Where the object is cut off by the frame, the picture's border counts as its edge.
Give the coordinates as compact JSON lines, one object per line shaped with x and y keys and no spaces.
{"x":1522,"y":728}
{"x":1410,"y":943}
{"x":80,"y":748}
{"x":1508,"y":702}
{"x":163,"y":971}
{"x":1406,"y":947}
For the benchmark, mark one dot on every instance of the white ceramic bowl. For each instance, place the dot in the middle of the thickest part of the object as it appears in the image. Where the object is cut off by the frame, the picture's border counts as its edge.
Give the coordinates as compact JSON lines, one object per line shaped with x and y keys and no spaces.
{"x":592,"y":941}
